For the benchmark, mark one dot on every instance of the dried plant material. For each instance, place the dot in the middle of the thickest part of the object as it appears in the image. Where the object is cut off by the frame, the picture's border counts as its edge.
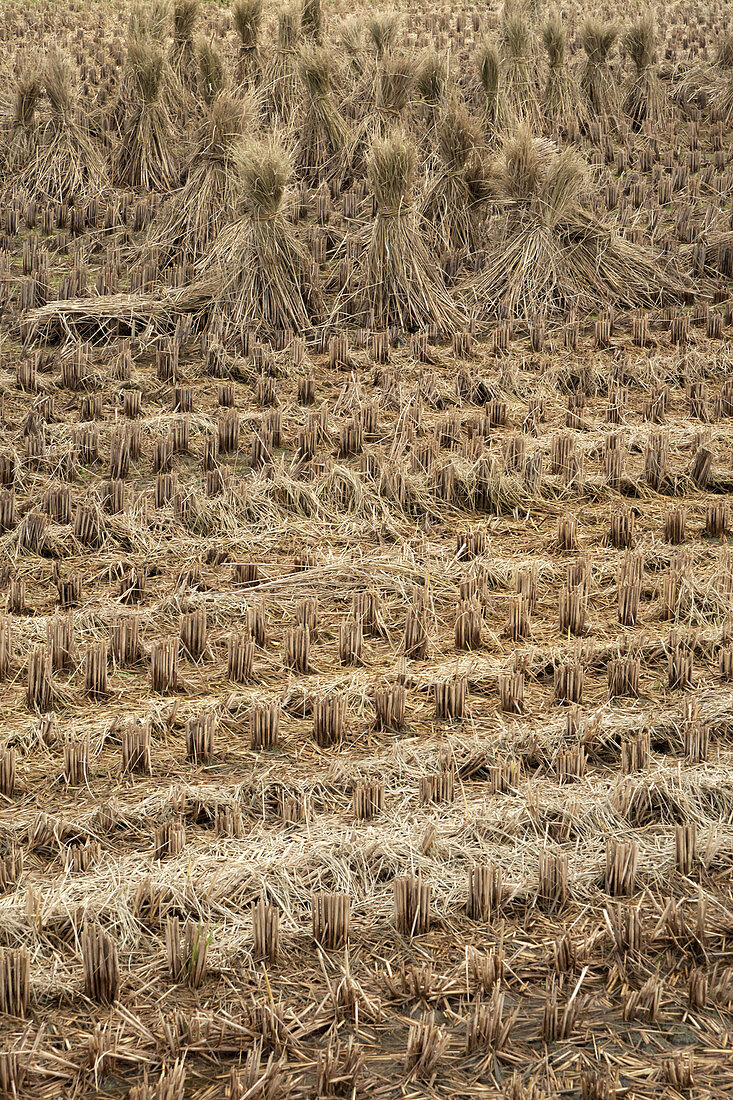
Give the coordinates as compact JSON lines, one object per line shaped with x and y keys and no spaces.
{"x":14,"y":981}
{"x":264,"y":726}
{"x":411,"y":905}
{"x":265,"y":931}
{"x":366,"y":636}
{"x":329,"y":721}
{"x":136,"y":748}
{"x":101,"y":965}
{"x":164,"y":666}
{"x":561,"y":1015}
{"x":330,"y":914}
{"x":485,"y":891}
{"x":200,"y":735}
{"x":368,"y":800}
{"x":621,"y":857}
{"x":556,"y":255}
{"x":390,"y":705}
{"x":397,"y":280}
{"x":553,"y":886}
{"x":426,"y":1045}
{"x":339,"y":1068}
{"x":76,"y":760}
{"x":186,"y":954}
{"x":267,"y":279}
{"x":145,"y":156}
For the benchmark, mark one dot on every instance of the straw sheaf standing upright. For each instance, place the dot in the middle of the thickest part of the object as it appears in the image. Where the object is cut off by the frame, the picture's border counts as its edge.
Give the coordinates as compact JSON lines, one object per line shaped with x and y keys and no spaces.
{"x":563,"y":104}
{"x":382,"y":30}
{"x":67,"y":163}
{"x":213,"y":78}
{"x":432,"y":82}
{"x":281,"y":82}
{"x":518,"y":67}
{"x":357,"y":71}
{"x":145,"y":155}
{"x":154,"y":28}
{"x":324,"y":133}
{"x":458,"y":189}
{"x":183,"y":52}
{"x":194,"y":216}
{"x":551,"y":255}
{"x":351,"y":42}
{"x":21,"y":138}
{"x":312,"y":23}
{"x":267,"y":279}
{"x":494,"y":109}
{"x":396,"y":280}
{"x":644,"y":99}
{"x":395,"y":81}
{"x":149,"y":20}
{"x":597,"y":82}
{"x":247,"y":19}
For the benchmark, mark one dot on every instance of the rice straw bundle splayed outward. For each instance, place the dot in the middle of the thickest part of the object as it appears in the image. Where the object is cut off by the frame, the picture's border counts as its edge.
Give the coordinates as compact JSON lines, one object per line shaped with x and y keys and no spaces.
{"x":552,"y":256}
{"x":147,"y":30}
{"x":267,"y":279}
{"x":396,"y":280}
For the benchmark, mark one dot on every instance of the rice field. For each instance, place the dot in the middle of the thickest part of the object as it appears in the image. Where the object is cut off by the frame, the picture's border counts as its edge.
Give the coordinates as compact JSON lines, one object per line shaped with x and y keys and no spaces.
{"x":366,"y":578}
